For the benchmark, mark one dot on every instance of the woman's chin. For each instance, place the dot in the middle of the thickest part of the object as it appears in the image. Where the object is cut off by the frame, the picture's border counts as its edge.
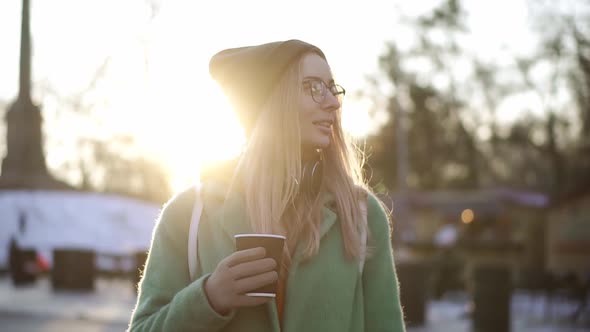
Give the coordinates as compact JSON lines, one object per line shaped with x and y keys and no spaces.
{"x":322,"y":144}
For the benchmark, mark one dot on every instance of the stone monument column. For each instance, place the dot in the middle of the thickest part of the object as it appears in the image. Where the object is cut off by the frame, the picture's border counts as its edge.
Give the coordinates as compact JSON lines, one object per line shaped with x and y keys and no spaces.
{"x":23,"y":166}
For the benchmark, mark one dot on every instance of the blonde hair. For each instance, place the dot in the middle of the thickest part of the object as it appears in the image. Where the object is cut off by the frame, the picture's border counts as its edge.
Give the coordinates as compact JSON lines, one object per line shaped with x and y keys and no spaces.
{"x":270,"y":174}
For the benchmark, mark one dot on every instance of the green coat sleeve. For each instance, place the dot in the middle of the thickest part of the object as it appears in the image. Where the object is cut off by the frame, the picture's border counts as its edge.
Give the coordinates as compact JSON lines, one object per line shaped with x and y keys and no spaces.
{"x":382,"y":305}
{"x":167,"y":300}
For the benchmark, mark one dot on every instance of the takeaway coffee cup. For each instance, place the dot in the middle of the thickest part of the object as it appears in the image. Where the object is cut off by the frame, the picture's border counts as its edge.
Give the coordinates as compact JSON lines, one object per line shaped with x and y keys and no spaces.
{"x":274,"y":249}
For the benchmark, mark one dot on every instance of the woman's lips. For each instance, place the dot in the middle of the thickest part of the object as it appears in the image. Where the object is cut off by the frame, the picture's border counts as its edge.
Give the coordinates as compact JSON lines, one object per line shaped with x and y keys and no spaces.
{"x":324,"y":126}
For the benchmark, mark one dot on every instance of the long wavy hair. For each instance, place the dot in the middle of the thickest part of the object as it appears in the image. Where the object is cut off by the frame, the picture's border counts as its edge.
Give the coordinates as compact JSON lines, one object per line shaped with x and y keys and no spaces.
{"x":270,"y":172}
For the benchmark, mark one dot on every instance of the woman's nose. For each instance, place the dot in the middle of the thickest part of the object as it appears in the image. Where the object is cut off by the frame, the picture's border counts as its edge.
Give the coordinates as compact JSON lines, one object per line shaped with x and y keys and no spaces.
{"x":331,"y":102}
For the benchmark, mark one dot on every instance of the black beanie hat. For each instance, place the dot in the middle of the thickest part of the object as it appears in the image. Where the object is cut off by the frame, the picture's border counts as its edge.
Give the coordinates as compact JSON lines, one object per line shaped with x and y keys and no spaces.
{"x":248,"y":74}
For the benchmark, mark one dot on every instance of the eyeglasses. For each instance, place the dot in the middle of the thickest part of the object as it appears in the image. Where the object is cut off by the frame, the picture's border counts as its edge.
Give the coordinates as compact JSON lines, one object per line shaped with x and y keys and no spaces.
{"x":318,"y":88}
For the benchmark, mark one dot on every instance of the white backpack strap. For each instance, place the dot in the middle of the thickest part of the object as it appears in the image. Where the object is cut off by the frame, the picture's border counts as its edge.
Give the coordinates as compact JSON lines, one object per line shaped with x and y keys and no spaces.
{"x":193,"y":232}
{"x":363,"y":207}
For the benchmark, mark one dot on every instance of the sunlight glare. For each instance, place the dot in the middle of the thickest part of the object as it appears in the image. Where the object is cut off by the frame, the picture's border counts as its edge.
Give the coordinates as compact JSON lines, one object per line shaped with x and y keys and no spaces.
{"x":203,"y":132}
{"x":355,"y":117}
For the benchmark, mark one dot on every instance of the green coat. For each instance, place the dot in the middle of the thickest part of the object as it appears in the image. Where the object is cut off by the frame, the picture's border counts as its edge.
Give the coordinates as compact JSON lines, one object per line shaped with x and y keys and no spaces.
{"x":327,"y":293}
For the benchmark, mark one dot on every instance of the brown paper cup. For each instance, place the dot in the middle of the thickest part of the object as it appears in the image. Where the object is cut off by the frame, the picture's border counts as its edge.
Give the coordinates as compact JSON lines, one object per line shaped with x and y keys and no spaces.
{"x":274,"y":249}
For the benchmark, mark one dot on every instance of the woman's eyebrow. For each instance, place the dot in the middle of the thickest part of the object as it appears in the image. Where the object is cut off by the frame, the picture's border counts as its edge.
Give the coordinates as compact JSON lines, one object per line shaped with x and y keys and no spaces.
{"x":330,"y":82}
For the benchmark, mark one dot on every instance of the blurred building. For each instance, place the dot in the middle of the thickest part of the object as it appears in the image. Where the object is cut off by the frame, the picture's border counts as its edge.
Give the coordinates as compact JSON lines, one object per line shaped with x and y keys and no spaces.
{"x":568,"y":234}
{"x":483,"y":226}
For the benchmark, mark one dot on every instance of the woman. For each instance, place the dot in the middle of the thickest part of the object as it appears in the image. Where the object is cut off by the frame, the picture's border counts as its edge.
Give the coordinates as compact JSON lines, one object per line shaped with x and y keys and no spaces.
{"x":286,"y":99}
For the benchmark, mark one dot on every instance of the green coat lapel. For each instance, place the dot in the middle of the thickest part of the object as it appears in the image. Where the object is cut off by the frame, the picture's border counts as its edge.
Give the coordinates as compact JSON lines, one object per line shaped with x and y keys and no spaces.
{"x":328,"y":219}
{"x":328,"y":215}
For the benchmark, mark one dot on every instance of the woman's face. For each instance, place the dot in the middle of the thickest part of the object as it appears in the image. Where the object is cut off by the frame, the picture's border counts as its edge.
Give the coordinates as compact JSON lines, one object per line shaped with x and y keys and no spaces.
{"x":316,"y":117}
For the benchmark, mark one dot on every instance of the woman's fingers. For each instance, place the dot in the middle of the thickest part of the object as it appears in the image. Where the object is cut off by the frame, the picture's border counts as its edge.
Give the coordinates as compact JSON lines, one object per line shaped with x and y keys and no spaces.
{"x":251,"y":268}
{"x":246,"y":255}
{"x":250,"y":284}
{"x":239,"y":273}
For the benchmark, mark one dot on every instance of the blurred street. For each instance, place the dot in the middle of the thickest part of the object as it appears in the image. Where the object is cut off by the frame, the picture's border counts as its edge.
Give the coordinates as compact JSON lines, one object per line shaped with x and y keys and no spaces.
{"x":25,"y":323}
{"x":38,"y":308}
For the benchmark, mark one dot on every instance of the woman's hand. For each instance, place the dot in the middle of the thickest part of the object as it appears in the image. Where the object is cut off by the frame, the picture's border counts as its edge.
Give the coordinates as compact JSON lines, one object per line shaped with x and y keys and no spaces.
{"x":237,"y":274}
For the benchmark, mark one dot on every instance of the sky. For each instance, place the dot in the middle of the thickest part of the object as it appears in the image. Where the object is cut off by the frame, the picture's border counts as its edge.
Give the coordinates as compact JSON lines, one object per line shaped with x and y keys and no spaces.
{"x":158,"y":88}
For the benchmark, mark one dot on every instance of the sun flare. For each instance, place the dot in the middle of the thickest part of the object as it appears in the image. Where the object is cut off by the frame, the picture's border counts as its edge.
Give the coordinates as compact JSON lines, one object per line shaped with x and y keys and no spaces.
{"x":196,"y":135}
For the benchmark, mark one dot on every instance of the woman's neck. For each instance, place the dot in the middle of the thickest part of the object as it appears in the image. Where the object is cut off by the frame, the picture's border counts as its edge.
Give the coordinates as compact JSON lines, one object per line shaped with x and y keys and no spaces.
{"x":309,"y":155}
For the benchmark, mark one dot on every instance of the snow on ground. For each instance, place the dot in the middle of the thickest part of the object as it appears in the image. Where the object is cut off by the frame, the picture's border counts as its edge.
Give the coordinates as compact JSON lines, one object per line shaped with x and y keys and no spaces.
{"x":107,"y":224}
